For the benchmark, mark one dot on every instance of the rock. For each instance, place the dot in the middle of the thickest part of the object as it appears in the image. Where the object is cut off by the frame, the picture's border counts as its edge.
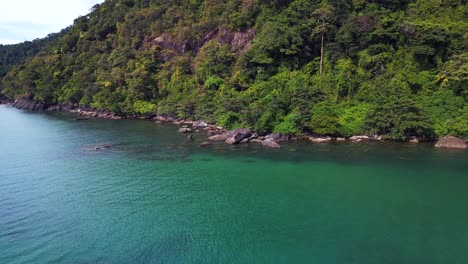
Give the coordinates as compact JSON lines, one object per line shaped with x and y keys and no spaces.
{"x":278,"y":137}
{"x":221,"y":137}
{"x":178,"y":122}
{"x":199,"y":124}
{"x":414,"y":140}
{"x":158,"y":122}
{"x":236,"y":136}
{"x":451,"y":142}
{"x":270,"y":144}
{"x":356,"y":138}
{"x":185,"y":130}
{"x":256,"y":140}
{"x":320,"y":140}
{"x":206,"y":143}
{"x":341,"y":139}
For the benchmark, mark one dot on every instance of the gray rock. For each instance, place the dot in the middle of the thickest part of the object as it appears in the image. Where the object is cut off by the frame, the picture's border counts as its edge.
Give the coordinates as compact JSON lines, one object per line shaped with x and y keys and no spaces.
{"x":221,"y":137}
{"x":256,"y":140}
{"x":199,"y":124}
{"x":320,"y":140}
{"x":278,"y":137}
{"x":185,"y":130}
{"x":451,"y":142}
{"x":236,"y":136}
{"x":270,"y":144}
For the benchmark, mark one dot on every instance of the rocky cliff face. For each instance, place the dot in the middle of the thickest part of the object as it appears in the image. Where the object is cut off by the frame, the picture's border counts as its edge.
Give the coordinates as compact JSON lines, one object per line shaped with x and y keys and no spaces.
{"x":238,"y":41}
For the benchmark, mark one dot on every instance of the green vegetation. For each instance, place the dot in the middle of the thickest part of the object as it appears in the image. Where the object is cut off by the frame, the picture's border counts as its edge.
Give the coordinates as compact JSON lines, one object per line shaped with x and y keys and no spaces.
{"x":395,"y":68}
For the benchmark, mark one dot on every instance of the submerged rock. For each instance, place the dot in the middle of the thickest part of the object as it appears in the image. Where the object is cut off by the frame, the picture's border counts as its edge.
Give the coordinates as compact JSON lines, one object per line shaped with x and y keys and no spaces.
{"x":451,"y":142}
{"x":185,"y":130}
{"x":221,"y":137}
{"x":270,"y":144}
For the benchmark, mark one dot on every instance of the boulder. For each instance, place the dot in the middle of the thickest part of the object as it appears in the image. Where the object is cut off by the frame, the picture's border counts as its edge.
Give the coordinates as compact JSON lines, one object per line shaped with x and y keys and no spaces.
{"x":236,"y":136}
{"x":341,"y":139}
{"x":278,"y":137}
{"x":451,"y":142}
{"x":185,"y":130}
{"x":256,"y":140}
{"x":359,"y":138}
{"x":320,"y":140}
{"x":199,"y":124}
{"x":270,"y":144}
{"x":221,"y":137}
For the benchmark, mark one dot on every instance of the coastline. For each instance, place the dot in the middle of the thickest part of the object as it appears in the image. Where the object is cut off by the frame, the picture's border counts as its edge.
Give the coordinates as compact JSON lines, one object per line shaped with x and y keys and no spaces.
{"x":215,"y":133}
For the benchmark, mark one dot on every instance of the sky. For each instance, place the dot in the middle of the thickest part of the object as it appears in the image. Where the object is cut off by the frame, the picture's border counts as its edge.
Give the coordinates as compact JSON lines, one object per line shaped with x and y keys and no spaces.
{"x":22,"y":20}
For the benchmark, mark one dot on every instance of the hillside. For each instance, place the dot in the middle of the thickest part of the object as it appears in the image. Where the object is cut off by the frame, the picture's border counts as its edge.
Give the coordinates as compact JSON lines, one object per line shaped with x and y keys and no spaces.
{"x":396,"y":68}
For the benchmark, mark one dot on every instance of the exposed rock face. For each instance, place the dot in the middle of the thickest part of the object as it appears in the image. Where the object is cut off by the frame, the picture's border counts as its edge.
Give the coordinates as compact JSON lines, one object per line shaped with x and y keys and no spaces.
{"x":236,"y":136}
{"x":28,"y":104}
{"x":451,"y":142}
{"x":270,"y":144}
{"x":3,"y":99}
{"x":238,"y":41}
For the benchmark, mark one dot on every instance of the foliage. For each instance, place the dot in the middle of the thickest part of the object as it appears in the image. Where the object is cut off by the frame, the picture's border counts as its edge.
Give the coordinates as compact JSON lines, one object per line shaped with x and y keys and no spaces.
{"x":394,"y":68}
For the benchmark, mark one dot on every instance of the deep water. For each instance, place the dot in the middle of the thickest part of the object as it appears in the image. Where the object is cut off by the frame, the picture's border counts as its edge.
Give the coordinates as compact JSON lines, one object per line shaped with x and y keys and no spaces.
{"x":155,"y":197}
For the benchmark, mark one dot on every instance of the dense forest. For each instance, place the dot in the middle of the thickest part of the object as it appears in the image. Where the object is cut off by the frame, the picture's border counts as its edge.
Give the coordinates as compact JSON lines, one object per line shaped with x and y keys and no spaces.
{"x":396,"y":68}
{"x":11,"y":55}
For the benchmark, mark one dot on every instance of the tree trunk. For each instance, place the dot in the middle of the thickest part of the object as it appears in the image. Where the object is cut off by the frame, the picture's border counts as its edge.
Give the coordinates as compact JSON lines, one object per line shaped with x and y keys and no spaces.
{"x":321,"y":54}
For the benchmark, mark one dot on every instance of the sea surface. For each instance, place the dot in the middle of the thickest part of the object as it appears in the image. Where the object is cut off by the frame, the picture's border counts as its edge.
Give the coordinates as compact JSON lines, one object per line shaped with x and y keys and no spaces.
{"x":156,"y":197}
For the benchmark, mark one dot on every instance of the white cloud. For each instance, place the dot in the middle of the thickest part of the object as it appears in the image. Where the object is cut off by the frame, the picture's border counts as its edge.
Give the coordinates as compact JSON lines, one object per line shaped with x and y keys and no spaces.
{"x":29,"y":19}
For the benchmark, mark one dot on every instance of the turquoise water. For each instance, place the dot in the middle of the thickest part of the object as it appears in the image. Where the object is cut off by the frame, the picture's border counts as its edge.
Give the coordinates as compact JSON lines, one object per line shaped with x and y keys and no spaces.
{"x":155,"y":197}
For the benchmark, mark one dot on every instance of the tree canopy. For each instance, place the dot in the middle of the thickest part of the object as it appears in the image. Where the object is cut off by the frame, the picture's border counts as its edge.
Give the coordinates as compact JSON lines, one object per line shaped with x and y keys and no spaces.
{"x":395,"y":68}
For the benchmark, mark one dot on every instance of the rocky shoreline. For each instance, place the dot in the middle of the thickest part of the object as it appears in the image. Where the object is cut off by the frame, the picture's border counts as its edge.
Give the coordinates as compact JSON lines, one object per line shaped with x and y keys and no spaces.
{"x":216,"y":133}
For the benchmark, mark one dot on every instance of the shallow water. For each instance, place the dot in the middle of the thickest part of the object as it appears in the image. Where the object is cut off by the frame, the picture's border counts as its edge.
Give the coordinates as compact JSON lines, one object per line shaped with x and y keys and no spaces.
{"x":155,"y":197}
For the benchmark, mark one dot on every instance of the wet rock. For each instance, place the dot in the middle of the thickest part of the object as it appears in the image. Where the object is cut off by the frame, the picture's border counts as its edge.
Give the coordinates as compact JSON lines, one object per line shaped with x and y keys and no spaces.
{"x":340,"y":139}
{"x":221,"y":137}
{"x":270,"y":144}
{"x":320,"y":140}
{"x":236,"y":136}
{"x":278,"y":137}
{"x":355,"y":138}
{"x":451,"y":142}
{"x":206,"y":143}
{"x":185,"y":130}
{"x":256,"y":140}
